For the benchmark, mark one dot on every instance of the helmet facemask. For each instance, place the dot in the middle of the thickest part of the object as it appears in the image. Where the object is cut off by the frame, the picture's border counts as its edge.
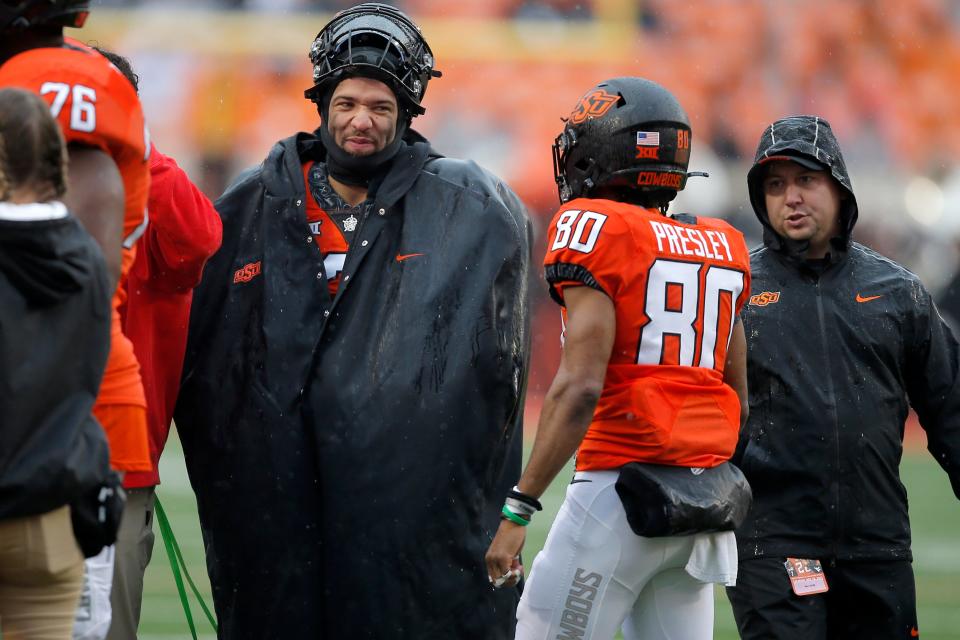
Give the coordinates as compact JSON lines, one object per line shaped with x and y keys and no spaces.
{"x":376,"y":41}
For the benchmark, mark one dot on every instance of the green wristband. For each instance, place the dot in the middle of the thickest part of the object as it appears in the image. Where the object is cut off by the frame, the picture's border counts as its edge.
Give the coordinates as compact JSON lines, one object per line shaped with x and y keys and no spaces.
{"x":512,"y":517}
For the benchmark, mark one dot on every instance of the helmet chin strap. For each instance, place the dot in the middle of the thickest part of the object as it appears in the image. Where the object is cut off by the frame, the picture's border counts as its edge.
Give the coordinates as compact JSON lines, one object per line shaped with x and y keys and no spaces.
{"x":354,"y":170}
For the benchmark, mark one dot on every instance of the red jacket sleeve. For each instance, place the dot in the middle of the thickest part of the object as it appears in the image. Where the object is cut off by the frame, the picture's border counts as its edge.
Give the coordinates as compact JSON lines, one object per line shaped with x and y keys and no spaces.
{"x":184,"y":229}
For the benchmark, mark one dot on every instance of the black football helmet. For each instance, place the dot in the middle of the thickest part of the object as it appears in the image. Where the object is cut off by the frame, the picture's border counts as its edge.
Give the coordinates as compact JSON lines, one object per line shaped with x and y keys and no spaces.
{"x":20,"y":15}
{"x":375,"y":40}
{"x":629,"y":133}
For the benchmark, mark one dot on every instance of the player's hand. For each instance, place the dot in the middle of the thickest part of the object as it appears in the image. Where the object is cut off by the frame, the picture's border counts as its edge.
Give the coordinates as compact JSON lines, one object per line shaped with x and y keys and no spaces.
{"x":503,"y":556}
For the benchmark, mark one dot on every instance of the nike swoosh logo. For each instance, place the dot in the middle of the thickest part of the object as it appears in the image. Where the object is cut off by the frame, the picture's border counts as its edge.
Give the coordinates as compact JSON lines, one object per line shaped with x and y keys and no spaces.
{"x":404,"y":256}
{"x":867,"y":299}
{"x":576,"y":480}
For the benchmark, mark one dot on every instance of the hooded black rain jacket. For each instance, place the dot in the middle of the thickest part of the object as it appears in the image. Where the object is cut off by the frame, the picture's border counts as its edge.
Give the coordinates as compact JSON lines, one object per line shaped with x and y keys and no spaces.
{"x":837,"y":353}
{"x":350,"y":456}
{"x":833,"y":366}
{"x":54,"y":339}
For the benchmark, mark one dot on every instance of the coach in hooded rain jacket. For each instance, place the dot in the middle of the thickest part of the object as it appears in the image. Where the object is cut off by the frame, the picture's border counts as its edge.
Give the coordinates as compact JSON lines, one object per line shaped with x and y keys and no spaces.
{"x":350,"y":455}
{"x":823,"y":444}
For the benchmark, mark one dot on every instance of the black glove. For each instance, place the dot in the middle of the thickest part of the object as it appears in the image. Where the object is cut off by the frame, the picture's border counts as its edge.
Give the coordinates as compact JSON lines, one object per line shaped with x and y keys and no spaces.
{"x":96,"y":515}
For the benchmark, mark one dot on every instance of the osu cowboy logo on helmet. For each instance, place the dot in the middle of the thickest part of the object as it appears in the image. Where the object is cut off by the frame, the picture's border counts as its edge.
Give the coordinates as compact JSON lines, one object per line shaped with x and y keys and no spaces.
{"x":593,"y":105}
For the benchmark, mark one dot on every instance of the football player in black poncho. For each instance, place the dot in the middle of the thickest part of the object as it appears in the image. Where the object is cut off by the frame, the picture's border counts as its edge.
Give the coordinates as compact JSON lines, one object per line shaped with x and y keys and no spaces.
{"x":353,"y":387}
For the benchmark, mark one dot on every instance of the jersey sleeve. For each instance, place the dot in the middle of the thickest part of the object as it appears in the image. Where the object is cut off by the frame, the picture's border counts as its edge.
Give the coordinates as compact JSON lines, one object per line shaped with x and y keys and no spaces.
{"x":91,"y":100}
{"x":97,"y":107}
{"x":111,"y":120}
{"x":741,"y":256}
{"x":184,"y":229}
{"x":586,"y":243}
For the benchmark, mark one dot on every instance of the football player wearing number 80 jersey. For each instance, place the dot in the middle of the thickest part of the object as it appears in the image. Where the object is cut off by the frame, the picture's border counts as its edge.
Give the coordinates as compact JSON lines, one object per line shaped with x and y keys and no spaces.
{"x":653,"y":371}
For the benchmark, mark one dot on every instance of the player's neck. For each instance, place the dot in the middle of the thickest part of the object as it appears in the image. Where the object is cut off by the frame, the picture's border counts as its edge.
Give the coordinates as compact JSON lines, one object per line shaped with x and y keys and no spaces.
{"x":31,"y":193}
{"x":351,"y":194}
{"x":17,"y":43}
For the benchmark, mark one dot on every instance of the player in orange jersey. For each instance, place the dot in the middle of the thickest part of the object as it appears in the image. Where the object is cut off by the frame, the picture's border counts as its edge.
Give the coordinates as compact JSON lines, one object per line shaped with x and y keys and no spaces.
{"x":54,"y":340}
{"x":102,"y":121}
{"x":653,"y":371}
{"x":109,"y":178}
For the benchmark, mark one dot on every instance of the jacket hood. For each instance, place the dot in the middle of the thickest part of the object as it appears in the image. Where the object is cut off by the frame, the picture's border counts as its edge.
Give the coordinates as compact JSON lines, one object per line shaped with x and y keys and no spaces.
{"x":41,"y":254}
{"x":809,"y":141}
{"x":388,"y":187}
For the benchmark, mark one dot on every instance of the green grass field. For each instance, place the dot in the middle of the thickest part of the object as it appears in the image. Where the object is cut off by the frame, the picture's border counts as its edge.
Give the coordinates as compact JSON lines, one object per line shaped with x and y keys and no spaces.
{"x":934,"y":511}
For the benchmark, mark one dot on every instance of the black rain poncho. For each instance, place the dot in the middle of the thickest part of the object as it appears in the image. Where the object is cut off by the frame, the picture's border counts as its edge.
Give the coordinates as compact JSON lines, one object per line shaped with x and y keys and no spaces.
{"x":350,"y":456}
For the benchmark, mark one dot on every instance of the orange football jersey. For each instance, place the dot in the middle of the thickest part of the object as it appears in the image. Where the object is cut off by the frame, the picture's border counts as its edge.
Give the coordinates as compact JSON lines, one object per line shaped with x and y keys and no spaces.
{"x":97,"y":106}
{"x":328,"y":237}
{"x":677,"y":287}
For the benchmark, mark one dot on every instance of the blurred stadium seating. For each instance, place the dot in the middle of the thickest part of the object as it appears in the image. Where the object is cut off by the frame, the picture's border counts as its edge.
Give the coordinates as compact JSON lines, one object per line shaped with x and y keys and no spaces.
{"x":223,"y":79}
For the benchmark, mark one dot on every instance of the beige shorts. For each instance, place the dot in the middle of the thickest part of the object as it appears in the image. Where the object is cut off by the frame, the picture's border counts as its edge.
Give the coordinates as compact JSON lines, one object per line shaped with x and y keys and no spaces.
{"x":41,"y":571}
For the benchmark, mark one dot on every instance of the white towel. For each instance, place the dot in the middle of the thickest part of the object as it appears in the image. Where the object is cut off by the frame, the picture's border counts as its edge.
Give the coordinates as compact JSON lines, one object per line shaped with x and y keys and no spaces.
{"x":714,"y":558}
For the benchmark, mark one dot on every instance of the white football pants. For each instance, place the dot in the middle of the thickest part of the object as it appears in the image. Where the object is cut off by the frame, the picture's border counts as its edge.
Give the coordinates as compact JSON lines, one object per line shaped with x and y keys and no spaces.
{"x":595,"y":575}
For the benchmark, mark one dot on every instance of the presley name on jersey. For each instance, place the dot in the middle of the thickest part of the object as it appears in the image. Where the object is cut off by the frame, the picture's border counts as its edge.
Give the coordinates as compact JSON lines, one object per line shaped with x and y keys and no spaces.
{"x":96,"y":106}
{"x":677,"y":285}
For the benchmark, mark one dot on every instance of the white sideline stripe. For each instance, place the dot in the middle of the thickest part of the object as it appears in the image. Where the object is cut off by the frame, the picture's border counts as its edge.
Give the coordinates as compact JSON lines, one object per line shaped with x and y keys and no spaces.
{"x":33,"y":212}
